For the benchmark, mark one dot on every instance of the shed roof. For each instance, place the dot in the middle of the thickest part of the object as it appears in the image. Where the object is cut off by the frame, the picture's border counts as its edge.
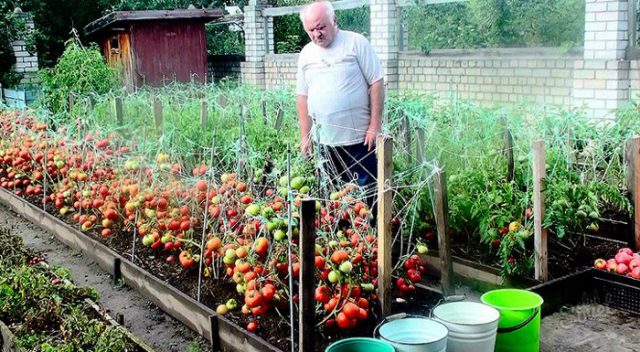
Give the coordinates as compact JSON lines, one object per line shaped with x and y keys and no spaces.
{"x":123,"y":17}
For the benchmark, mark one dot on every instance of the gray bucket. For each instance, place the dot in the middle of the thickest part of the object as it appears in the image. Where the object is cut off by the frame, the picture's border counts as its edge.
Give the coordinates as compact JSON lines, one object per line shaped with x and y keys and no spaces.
{"x":411,"y":333}
{"x":472,"y":326}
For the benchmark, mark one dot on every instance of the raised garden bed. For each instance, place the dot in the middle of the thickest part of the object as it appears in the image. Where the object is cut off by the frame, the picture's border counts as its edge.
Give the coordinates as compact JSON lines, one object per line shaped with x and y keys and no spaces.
{"x":220,"y":331}
{"x":41,"y":307}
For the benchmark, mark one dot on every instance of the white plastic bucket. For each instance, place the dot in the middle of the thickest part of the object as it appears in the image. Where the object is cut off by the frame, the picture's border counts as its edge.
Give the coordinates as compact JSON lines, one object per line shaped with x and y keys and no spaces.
{"x":472,"y":326}
{"x":408,"y":333}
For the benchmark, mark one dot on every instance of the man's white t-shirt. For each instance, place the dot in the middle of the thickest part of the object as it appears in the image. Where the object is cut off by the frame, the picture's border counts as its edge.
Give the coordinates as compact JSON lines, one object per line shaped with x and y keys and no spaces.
{"x":336,"y":82}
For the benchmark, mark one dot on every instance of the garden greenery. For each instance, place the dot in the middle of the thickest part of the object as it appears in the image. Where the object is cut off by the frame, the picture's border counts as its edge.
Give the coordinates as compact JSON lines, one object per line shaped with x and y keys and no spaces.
{"x":80,"y":71}
{"x":494,"y":24}
{"x":13,"y":28}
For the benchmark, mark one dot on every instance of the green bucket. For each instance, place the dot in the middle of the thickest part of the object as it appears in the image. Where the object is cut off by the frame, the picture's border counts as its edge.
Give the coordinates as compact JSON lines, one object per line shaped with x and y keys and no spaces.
{"x":360,"y":344}
{"x":519,"y":324}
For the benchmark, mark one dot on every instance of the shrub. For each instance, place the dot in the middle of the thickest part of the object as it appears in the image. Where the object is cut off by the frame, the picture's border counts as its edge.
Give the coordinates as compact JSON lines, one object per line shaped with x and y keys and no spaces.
{"x":80,"y":71}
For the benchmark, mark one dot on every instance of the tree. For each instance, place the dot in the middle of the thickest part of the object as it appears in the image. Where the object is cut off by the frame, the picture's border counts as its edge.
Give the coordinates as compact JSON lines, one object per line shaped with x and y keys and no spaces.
{"x":14,"y":28}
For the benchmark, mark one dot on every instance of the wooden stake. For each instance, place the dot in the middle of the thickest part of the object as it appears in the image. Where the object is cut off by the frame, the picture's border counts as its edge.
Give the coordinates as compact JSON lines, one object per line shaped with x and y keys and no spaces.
{"x":70,"y":101}
{"x":384,"y":148}
{"x":264,"y":109}
{"x":632,"y":155}
{"x":222,"y":100}
{"x":509,"y":151}
{"x":203,"y":113}
{"x":420,"y":146}
{"x":407,"y":134}
{"x":539,"y":233}
{"x":306,"y":321}
{"x":279,"y":116}
{"x":442,"y":223}
{"x":157,"y":113}
{"x":117,"y":106}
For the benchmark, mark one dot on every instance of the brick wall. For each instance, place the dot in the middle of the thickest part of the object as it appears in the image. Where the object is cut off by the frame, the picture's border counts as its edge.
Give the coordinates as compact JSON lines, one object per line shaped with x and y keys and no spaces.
{"x":280,"y":70}
{"x":491,"y":76}
{"x":26,"y":62}
{"x":498,"y":76}
{"x":224,"y":66}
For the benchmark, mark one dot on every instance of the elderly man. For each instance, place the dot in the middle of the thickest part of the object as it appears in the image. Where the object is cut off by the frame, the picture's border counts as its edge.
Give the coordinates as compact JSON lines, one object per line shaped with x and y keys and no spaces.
{"x":340,"y":95}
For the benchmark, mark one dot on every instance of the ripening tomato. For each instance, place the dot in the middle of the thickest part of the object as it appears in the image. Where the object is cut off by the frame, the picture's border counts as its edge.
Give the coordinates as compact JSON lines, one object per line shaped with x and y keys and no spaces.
{"x":252,"y":326}
{"x":322,"y":294}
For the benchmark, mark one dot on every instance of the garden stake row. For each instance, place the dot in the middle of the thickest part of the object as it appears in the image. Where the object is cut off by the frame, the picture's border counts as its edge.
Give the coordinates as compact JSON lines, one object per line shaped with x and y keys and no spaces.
{"x":540,"y":233}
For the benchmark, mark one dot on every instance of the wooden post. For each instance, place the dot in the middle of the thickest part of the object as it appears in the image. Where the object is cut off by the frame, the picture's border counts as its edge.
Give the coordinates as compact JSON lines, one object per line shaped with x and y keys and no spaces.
{"x":306,"y":321}
{"x":279,"y":116}
{"x":384,"y":148}
{"x":508,"y":145}
{"x":222,"y":100}
{"x":70,"y":101}
{"x":264,"y":109}
{"x":203,"y":113}
{"x":420,"y":146}
{"x":117,"y":106}
{"x":510,"y":161}
{"x":539,"y":233}
{"x":444,"y":242}
{"x":632,"y":154}
{"x":407,"y":134}
{"x":157,"y":113}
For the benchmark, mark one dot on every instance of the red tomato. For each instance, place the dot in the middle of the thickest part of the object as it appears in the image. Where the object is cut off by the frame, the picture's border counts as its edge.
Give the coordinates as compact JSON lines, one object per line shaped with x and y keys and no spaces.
{"x":323,"y":294}
{"x":252,"y":326}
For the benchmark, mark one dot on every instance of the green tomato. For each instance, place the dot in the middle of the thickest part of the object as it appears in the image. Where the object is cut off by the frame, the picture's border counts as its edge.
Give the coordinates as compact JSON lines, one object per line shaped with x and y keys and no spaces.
{"x":232,"y":304}
{"x":346,"y":267}
{"x":334,"y":276}
{"x":279,"y":235}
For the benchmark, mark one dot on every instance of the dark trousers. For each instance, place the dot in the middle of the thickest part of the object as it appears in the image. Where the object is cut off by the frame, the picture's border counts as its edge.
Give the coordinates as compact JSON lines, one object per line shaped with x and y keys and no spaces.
{"x":352,"y":163}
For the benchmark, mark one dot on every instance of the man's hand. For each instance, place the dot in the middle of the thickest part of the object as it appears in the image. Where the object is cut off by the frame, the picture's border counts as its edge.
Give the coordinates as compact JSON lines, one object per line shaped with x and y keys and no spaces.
{"x":370,"y":138}
{"x":306,"y":147}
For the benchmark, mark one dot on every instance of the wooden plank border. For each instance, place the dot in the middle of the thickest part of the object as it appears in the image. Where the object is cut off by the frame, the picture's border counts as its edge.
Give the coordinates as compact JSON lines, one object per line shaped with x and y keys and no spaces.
{"x":195,"y":315}
{"x":8,"y":340}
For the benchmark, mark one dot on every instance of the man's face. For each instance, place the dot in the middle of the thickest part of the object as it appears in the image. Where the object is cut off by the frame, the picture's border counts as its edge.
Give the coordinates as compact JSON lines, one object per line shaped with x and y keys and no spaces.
{"x":321,"y":29}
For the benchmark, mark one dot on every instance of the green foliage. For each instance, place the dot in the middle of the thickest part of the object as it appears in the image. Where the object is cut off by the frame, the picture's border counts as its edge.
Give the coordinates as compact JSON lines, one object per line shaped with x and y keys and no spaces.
{"x":81,"y":71}
{"x":54,"y":21}
{"x":575,"y":205}
{"x":13,"y":28}
{"x":495,"y":23}
{"x":47,"y":312}
{"x":290,"y":37}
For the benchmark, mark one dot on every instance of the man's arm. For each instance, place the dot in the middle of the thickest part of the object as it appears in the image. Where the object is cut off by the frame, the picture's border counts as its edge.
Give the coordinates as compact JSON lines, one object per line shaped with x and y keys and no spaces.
{"x":305,"y":125}
{"x":376,"y":96}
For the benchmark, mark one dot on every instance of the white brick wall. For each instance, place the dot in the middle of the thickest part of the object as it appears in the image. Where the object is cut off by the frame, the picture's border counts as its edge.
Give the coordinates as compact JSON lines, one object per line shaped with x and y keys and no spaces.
{"x":26,"y":62}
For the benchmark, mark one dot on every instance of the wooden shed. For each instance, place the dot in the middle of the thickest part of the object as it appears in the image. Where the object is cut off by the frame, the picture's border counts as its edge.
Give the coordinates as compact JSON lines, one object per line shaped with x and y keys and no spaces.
{"x":155,"y":47}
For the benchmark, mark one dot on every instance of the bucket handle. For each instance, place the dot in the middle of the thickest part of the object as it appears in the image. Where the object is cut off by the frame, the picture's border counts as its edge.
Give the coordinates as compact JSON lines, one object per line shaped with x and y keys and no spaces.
{"x":445,"y":299}
{"x":521,"y":325}
{"x":389,"y":318}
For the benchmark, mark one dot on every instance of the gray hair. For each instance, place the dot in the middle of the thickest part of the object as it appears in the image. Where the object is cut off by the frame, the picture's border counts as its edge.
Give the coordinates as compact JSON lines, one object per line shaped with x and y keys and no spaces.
{"x":328,"y":7}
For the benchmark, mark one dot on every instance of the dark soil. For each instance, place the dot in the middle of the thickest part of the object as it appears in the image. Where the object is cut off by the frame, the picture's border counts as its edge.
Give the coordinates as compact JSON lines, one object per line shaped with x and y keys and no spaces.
{"x":590,"y":327}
